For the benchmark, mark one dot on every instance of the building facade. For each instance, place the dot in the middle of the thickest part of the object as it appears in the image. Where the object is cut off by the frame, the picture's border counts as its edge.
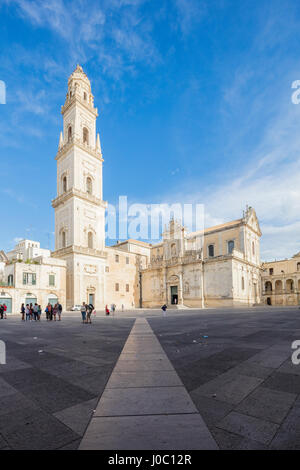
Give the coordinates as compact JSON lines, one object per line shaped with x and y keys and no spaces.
{"x":38,"y":280}
{"x":220,"y":267}
{"x":281,"y":282}
{"x":95,"y":273}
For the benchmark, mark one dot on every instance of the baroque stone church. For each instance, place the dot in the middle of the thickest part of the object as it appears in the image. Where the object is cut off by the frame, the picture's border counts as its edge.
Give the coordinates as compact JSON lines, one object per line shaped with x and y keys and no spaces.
{"x":225,"y":271}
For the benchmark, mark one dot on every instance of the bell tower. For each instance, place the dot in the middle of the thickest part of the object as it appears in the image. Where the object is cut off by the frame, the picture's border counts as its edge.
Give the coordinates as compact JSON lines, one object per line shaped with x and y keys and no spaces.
{"x":79,"y":207}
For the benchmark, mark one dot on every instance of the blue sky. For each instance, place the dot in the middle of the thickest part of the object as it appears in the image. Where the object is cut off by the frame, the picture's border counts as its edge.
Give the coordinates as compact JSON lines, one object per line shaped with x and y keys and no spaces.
{"x":194,"y":99}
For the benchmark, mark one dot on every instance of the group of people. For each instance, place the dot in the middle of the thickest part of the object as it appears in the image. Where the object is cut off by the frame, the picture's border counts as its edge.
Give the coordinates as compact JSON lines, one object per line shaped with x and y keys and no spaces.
{"x":3,"y":309}
{"x":34,"y":312}
{"x":112,"y":309}
{"x":86,"y":312}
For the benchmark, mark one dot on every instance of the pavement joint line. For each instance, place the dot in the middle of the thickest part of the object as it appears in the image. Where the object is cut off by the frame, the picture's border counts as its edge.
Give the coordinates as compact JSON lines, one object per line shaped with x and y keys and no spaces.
{"x":148,"y":386}
{"x":195,"y":428}
{"x":147,"y":414}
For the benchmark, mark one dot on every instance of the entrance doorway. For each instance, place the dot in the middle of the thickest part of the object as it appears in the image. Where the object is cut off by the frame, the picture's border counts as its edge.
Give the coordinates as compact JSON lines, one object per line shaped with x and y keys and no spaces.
{"x":269,"y":301}
{"x":174,"y":295}
{"x":52,"y":299}
{"x":8,"y":302}
{"x":92,"y":299}
{"x":30,"y":299}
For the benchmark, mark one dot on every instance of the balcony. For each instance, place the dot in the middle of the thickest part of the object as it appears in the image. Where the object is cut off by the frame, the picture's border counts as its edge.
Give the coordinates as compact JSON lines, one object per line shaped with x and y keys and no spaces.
{"x":6,"y":284}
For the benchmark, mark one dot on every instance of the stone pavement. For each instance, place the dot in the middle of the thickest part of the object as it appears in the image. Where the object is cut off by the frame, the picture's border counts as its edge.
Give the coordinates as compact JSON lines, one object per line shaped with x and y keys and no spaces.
{"x":53,"y":378}
{"x":144,"y":404}
{"x":237,"y":368}
{"x":234,"y":364}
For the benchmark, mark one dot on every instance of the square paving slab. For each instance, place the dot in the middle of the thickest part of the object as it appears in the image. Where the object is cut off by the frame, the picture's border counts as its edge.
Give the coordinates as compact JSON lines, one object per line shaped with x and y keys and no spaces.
{"x":142,"y":401}
{"x":148,"y":432}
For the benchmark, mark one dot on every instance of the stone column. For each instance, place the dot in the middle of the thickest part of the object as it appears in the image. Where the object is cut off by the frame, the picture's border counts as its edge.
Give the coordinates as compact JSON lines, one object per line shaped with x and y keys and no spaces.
{"x":165,"y":285}
{"x":180,"y":290}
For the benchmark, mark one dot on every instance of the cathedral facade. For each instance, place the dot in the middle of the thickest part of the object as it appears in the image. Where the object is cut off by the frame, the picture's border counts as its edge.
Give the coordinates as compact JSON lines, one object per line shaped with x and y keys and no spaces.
{"x":218,"y":268}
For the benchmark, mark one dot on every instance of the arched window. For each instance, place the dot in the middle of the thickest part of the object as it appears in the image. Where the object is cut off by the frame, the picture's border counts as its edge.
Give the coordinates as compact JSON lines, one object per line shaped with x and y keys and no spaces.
{"x":211,"y":251}
{"x":69,"y":133}
{"x":253,"y":248}
{"x":64,"y":184}
{"x":10,"y":280}
{"x":298,"y":266}
{"x":63,"y":239}
{"x":89,"y":185}
{"x":243,"y":283}
{"x":268,"y":286}
{"x":84,"y":96}
{"x":230,"y":246}
{"x":90,"y":240}
{"x":85,"y":136}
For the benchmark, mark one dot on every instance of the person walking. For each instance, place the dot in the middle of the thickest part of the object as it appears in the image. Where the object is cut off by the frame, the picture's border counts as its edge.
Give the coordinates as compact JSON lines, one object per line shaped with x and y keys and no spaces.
{"x":39,"y":312}
{"x":1,"y":311}
{"x":23,"y":312}
{"x":106,"y":310}
{"x":47,"y":313}
{"x":27,"y":312}
{"x":83,"y":312}
{"x":35,"y":311}
{"x":164,"y":309}
{"x":4,"y":310}
{"x":50,"y":311}
{"x":54,"y":311}
{"x":31,"y":311}
{"x":59,"y":311}
{"x":89,"y":310}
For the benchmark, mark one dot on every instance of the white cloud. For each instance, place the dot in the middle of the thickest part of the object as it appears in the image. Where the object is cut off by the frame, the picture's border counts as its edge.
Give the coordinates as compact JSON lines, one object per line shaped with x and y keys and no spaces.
{"x":17,"y":239}
{"x":189,"y":13}
{"x":112,"y":29}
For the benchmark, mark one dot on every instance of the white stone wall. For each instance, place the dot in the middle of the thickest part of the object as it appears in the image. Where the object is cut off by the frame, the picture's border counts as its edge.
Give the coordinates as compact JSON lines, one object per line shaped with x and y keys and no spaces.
{"x":41,"y":290}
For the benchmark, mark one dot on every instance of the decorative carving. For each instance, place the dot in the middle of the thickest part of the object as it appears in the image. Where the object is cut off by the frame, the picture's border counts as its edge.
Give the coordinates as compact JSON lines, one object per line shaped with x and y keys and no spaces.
{"x":90,"y":268}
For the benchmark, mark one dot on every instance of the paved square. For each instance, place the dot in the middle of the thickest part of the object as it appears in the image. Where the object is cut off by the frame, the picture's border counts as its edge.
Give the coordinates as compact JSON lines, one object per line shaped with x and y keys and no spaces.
{"x":241,"y":377}
{"x":229,"y":372}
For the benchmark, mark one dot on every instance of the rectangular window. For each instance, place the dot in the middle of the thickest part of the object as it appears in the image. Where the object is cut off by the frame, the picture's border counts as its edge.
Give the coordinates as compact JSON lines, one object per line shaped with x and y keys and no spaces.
{"x":127,"y":287}
{"x":230,"y":247}
{"x":117,"y":287}
{"x":117,"y":258}
{"x":211,"y":251}
{"x":51,"y":280}
{"x":29,"y":279}
{"x":127,"y":260}
{"x":107,"y":269}
{"x":271,"y":271}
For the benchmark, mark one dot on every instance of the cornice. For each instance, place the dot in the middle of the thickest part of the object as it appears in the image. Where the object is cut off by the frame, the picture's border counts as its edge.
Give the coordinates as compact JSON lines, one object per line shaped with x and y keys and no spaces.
{"x":77,"y":142}
{"x":81,"y":195}
{"x":76,"y":99}
{"x":79,"y":250}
